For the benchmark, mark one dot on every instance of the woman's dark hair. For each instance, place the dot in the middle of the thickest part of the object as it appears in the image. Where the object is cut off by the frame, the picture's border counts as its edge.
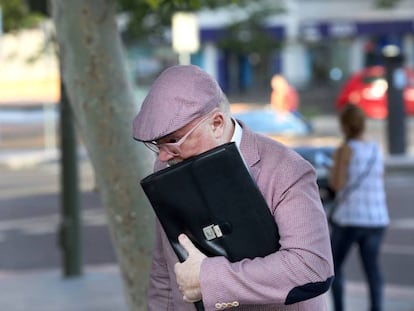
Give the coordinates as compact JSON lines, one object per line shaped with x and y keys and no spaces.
{"x":352,"y":120}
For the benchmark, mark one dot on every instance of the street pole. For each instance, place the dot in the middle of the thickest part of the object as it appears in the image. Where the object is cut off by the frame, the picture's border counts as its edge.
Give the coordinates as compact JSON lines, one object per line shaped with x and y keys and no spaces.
{"x":70,"y":229}
{"x":396,"y":79}
{"x":184,"y":58}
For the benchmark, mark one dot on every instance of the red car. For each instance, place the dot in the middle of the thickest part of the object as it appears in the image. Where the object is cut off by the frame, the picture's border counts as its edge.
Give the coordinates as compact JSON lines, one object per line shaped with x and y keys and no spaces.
{"x":367,"y":89}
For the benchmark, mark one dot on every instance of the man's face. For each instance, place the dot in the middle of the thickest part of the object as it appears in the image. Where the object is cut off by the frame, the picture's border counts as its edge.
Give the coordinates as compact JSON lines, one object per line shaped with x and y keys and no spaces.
{"x":198,"y":136}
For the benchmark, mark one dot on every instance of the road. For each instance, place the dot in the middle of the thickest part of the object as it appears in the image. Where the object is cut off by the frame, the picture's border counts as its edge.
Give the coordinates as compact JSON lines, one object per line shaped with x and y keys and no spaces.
{"x":30,"y":217}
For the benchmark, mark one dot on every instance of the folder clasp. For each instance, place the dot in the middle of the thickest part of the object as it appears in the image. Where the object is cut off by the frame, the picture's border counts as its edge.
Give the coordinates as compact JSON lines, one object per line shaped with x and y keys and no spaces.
{"x":212,"y":232}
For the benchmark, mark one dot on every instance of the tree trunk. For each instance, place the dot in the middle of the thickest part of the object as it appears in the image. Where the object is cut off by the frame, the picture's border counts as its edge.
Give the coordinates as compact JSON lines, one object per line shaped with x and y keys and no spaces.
{"x":102,"y":99}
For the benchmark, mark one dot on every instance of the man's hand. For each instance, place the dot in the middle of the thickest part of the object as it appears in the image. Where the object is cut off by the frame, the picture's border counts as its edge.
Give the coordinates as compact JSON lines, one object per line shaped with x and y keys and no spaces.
{"x":188,"y":272}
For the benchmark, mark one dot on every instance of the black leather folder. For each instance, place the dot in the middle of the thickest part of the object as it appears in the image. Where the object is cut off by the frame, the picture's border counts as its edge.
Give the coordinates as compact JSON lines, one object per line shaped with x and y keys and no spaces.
{"x":213,"y":199}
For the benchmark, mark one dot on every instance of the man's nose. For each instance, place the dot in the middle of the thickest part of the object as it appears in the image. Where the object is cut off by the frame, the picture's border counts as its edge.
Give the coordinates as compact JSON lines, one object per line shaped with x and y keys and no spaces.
{"x":164,"y":156}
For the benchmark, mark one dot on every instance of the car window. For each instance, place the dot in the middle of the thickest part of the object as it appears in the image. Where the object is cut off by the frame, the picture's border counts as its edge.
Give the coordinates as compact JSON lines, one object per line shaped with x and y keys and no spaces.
{"x":371,"y":79}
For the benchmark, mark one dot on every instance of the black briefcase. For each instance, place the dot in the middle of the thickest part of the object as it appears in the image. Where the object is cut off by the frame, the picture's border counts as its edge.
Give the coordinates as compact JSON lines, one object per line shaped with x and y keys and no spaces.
{"x":213,"y":199}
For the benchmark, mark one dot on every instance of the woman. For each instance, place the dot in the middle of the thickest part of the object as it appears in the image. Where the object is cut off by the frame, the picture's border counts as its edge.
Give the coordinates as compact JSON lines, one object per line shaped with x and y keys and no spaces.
{"x":361,"y":214}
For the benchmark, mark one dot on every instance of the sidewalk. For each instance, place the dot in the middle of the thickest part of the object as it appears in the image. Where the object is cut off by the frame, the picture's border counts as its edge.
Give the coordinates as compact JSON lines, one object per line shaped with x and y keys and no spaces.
{"x":100,"y":289}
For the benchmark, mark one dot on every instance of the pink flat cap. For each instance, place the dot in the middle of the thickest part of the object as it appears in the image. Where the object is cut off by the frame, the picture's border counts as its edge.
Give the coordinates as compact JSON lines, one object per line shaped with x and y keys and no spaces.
{"x":178,"y":96}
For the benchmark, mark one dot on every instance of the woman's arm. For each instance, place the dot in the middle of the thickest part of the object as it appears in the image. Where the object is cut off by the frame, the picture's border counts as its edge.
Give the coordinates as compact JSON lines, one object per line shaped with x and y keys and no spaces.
{"x":339,"y":170}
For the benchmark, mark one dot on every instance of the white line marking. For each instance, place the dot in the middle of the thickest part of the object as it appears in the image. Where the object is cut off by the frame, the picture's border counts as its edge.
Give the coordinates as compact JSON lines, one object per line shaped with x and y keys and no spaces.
{"x":402,"y":223}
{"x":49,"y":223}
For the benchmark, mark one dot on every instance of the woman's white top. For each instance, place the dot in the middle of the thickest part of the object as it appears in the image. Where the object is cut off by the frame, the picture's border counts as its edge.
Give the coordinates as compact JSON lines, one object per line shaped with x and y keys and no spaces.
{"x":365,"y":203}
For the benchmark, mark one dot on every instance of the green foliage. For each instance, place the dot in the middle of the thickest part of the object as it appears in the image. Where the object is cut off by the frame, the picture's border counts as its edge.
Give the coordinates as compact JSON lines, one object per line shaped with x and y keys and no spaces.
{"x":150,"y":19}
{"x":249,"y":35}
{"x":17,"y":15}
{"x":180,"y":4}
{"x":386,"y":4}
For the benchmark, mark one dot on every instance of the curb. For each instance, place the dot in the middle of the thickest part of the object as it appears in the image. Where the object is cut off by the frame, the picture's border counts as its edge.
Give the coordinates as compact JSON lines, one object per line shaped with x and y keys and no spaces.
{"x":28,"y":158}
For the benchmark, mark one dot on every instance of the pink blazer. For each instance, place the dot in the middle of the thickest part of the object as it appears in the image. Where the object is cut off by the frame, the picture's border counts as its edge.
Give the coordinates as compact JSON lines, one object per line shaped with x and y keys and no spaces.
{"x":288,"y":279}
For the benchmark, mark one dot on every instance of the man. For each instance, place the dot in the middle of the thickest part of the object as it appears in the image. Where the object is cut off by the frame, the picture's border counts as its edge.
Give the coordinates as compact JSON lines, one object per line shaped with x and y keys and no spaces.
{"x":184,"y":114}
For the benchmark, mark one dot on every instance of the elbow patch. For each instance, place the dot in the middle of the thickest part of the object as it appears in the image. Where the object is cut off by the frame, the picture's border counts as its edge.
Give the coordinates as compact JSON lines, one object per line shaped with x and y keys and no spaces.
{"x":308,"y":291}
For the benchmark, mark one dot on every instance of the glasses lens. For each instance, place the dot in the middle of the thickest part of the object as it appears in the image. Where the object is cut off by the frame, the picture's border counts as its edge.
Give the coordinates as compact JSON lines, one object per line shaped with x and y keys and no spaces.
{"x":152,"y":147}
{"x":171,"y":150}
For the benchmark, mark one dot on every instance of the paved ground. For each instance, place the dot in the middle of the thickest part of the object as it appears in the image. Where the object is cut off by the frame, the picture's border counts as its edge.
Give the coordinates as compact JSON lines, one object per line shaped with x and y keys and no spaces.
{"x":99,"y":289}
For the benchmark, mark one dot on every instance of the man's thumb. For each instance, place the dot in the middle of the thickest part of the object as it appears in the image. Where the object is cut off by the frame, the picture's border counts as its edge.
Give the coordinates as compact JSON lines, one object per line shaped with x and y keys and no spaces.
{"x":186,"y":243}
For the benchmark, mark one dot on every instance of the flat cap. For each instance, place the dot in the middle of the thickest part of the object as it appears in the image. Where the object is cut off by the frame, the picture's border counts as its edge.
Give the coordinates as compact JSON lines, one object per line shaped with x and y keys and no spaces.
{"x":179,"y":95}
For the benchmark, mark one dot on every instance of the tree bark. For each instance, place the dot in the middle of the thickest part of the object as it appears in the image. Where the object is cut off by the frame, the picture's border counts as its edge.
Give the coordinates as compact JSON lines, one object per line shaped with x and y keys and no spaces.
{"x":103,"y":103}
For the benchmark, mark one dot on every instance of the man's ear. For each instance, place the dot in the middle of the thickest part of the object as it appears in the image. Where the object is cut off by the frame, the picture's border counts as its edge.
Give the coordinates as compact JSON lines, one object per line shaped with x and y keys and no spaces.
{"x":217,"y":125}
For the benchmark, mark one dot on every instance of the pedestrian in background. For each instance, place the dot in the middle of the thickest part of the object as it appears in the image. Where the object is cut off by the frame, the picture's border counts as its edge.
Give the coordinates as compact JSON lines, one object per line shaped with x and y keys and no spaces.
{"x":186,"y":113}
{"x":361,"y":214}
{"x":284,"y":97}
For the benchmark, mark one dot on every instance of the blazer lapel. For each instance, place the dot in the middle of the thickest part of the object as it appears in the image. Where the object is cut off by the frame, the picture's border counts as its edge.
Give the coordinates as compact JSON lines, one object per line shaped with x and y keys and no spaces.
{"x":249,"y":150}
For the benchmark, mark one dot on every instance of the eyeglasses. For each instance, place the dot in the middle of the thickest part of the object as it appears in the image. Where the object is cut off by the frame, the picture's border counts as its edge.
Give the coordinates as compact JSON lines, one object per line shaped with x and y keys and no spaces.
{"x":173,"y":148}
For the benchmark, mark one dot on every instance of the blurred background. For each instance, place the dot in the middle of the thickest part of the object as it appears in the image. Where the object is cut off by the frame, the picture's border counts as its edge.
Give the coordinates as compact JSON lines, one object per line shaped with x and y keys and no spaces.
{"x":287,"y":68}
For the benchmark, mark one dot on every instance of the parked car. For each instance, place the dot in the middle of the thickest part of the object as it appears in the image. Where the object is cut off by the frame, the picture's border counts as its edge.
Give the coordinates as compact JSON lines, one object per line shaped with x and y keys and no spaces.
{"x":367,"y":89}
{"x":265,"y":120}
{"x":321,"y":158}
